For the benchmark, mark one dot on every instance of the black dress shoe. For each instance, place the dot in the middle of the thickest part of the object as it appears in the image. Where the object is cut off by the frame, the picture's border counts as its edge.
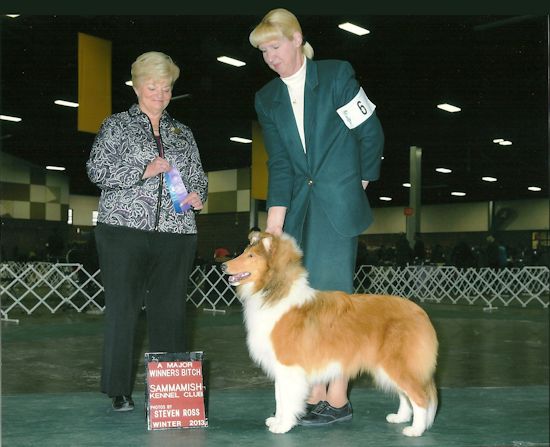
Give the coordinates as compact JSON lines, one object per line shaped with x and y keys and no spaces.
{"x":324,"y":414}
{"x":123,"y":403}
{"x":310,"y":407}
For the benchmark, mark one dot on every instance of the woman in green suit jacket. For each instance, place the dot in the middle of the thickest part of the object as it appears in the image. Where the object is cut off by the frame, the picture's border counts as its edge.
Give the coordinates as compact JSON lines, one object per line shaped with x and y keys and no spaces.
{"x":324,"y":144}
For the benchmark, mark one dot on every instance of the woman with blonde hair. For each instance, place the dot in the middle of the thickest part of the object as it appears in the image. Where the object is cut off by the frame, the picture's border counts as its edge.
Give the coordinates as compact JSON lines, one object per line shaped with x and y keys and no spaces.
{"x":324,"y":143}
{"x":148,"y":168}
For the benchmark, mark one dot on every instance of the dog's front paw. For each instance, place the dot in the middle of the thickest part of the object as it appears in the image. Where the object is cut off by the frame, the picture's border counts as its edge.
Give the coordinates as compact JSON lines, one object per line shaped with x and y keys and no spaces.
{"x":279,"y":425}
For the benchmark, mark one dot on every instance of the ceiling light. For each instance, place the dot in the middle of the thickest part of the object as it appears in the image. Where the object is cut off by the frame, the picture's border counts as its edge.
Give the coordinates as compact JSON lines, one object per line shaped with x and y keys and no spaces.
{"x":505,"y":143}
{"x":185,"y":95}
{"x":489,"y":179}
{"x":458,"y":193}
{"x":240,"y":140}
{"x":444,"y":170}
{"x":231,"y":61}
{"x":12,"y":16}
{"x":407,"y":185}
{"x":534,"y":188}
{"x":350,"y":27}
{"x":449,"y":108}
{"x":498,"y":140}
{"x":15,"y":119}
{"x":61,"y":102}
{"x":55,"y":168}
{"x":385,"y":199}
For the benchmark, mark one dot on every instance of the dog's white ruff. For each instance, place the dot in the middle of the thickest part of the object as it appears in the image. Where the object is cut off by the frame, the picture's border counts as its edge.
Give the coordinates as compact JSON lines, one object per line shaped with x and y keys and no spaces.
{"x":291,"y":383}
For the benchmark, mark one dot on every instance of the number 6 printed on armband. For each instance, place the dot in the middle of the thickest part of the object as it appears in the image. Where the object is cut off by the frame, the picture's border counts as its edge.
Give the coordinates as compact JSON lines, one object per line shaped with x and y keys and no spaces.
{"x":357,"y":111}
{"x":362,"y":108}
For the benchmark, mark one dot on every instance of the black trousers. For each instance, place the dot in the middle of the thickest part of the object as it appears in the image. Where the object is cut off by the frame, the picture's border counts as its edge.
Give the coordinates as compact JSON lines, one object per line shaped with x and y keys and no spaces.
{"x":141,"y":268}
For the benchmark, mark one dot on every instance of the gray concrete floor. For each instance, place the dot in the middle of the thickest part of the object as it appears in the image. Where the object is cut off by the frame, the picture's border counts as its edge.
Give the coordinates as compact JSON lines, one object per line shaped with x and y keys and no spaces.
{"x":492,"y":378}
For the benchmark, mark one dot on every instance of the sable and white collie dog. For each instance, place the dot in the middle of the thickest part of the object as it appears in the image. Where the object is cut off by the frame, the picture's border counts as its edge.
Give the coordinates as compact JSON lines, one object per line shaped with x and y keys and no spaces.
{"x":301,"y":336}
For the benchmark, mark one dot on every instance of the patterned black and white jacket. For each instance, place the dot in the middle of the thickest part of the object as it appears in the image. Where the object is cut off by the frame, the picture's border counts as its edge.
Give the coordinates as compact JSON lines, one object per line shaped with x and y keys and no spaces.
{"x":123,"y":147}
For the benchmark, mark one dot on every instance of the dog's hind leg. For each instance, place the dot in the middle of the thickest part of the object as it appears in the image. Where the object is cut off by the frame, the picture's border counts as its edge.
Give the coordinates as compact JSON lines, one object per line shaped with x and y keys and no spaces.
{"x":291,"y":390}
{"x":424,"y":404}
{"x":432,"y":405}
{"x":419,"y":425}
{"x":404,"y":412}
{"x":420,"y":397}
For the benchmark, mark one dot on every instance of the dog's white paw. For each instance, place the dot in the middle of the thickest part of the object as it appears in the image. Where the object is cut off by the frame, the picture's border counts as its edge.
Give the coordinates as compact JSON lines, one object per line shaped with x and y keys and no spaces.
{"x":396,"y":418}
{"x":413,"y":431}
{"x":278,"y":425}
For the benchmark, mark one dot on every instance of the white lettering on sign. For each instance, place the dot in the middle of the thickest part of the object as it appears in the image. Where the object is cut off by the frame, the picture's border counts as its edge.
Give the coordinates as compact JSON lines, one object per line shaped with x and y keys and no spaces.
{"x":168,"y":387}
{"x":166,"y":424}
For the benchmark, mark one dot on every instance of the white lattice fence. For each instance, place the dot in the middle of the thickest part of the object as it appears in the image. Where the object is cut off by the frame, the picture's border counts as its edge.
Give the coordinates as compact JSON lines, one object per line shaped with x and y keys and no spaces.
{"x":509,"y":286}
{"x":34,"y":286}
{"x":209,"y":286}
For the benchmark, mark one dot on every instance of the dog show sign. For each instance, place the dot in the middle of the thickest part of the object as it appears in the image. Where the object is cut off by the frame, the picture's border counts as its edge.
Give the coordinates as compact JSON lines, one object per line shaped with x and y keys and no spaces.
{"x":174,"y":393}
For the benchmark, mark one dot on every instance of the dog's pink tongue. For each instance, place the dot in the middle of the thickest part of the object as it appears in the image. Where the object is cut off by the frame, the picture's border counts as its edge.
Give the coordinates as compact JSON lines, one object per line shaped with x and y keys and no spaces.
{"x":237,"y":277}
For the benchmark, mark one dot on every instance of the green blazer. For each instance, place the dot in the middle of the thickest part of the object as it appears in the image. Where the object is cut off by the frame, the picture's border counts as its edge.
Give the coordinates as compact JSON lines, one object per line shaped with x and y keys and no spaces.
{"x":329,"y":174}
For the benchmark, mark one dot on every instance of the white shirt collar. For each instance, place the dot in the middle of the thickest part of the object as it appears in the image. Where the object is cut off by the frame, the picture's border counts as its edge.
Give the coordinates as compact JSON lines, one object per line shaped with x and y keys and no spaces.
{"x":300,"y":75}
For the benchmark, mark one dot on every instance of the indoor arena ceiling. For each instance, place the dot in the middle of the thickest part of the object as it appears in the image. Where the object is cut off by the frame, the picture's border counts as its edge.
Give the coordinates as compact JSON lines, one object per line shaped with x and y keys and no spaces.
{"x":493,"y":67}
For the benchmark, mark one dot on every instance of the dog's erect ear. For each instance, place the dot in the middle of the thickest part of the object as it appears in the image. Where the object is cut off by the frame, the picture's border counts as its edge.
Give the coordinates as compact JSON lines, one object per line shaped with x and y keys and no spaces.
{"x":254,"y":237}
{"x":266,"y":241}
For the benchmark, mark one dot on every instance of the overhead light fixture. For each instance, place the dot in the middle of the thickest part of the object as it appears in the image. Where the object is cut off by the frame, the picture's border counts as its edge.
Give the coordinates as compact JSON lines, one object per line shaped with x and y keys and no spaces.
{"x":185,"y":95}
{"x":488,"y":179}
{"x":444,"y":170}
{"x":15,"y":119}
{"x":240,"y":140}
{"x":351,"y":28}
{"x":55,"y":168}
{"x":534,"y":188}
{"x":385,"y":199}
{"x":12,"y":16}
{"x":458,"y":193}
{"x":448,"y":108}
{"x":231,"y":61}
{"x":407,"y":185}
{"x":502,"y":142}
{"x":61,"y":102}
